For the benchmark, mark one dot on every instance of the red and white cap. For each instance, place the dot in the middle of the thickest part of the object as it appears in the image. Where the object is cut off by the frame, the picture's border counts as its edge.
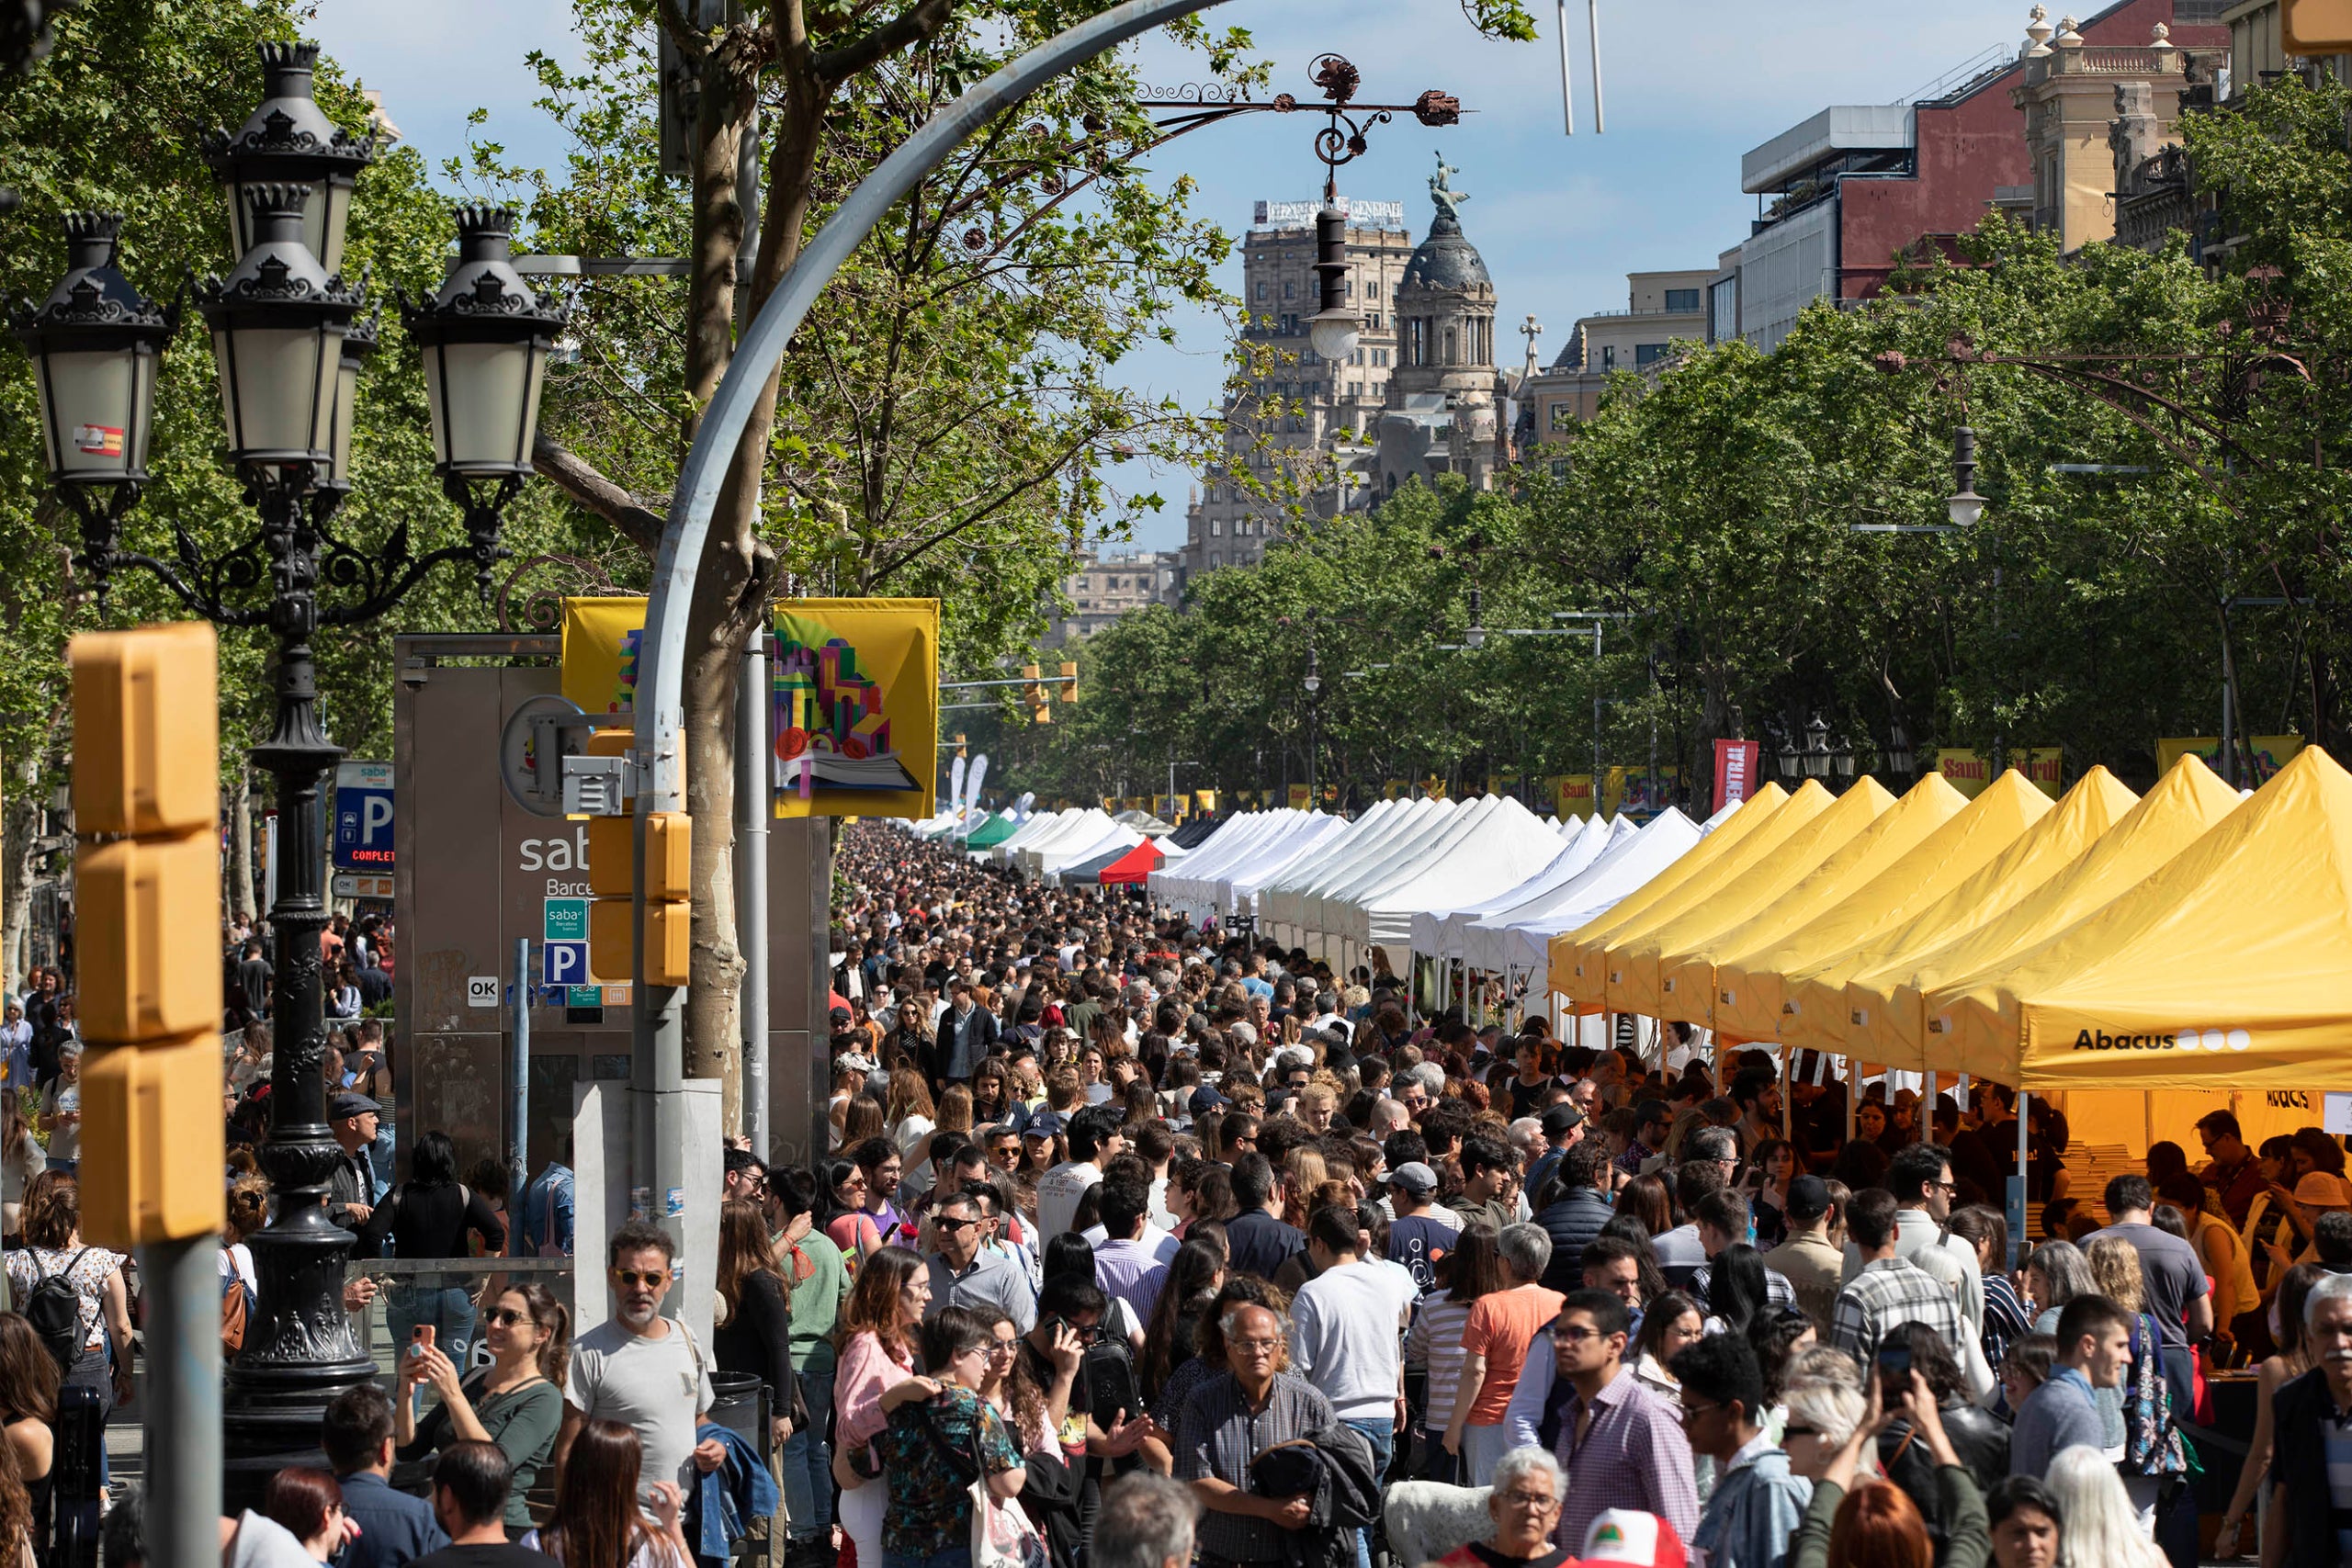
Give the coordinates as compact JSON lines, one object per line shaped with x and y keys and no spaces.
{"x":1621,"y":1535}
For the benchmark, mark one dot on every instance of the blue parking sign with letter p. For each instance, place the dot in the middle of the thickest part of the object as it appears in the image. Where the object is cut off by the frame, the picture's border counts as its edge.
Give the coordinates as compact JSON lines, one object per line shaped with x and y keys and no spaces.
{"x":567,"y":963}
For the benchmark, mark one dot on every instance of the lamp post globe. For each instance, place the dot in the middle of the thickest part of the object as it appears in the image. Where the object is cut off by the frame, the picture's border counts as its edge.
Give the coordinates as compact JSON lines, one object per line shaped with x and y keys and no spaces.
{"x":1333,"y":330}
{"x":1963,"y":506}
{"x":290,"y":140}
{"x":1816,"y":756}
{"x":485,"y":338}
{"x":95,"y":344}
{"x":278,"y":322}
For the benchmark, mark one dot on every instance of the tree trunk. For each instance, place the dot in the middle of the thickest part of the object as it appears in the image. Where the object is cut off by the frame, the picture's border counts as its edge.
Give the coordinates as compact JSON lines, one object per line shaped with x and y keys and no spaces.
{"x":19,"y":826}
{"x":240,"y":847}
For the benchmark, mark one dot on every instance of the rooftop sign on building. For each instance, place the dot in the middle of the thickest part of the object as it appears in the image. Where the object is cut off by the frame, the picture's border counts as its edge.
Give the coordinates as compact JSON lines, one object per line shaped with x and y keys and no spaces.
{"x":1301,"y":214}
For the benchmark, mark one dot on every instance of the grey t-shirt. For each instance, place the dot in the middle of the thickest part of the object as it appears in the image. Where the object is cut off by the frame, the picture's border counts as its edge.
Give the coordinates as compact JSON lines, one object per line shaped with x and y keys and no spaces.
{"x":2174,"y":1274}
{"x":657,"y":1387}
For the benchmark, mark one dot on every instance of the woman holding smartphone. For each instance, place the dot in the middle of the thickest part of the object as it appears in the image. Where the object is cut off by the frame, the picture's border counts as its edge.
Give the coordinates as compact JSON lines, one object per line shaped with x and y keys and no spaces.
{"x":517,"y":1401}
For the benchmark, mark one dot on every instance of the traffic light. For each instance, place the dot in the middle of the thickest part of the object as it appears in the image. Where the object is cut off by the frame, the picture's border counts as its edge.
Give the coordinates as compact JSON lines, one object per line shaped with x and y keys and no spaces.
{"x":1041,"y":705}
{"x":668,"y":884}
{"x":959,"y":744}
{"x":147,"y":894}
{"x":1070,"y":681}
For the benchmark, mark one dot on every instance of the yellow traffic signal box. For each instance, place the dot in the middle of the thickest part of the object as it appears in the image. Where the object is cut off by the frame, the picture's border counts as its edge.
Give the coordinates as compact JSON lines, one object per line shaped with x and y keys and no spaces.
{"x":668,"y":886}
{"x":2316,"y":27}
{"x":1070,"y":681}
{"x":147,"y":887}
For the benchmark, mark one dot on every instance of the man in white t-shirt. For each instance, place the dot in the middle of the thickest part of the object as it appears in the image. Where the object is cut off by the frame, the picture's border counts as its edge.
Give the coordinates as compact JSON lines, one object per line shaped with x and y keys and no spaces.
{"x":642,"y":1370}
{"x":1347,"y":1335}
{"x":1094,"y":1141}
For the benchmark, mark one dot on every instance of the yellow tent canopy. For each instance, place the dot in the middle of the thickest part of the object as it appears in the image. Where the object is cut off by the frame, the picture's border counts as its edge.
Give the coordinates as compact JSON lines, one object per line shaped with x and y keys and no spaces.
{"x":1634,"y":966}
{"x":1809,"y":802}
{"x":1757,"y":989}
{"x":1573,"y":957}
{"x":2229,"y":968}
{"x":2188,"y":802}
{"x":1757,"y":914}
{"x":2011,"y":878}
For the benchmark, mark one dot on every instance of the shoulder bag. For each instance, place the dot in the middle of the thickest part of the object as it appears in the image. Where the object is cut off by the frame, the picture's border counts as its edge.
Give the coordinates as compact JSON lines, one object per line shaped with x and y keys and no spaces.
{"x":1002,"y":1536}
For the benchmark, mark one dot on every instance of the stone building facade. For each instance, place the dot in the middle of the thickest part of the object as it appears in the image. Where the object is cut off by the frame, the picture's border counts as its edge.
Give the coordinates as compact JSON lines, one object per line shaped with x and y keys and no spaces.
{"x":1108,"y":584}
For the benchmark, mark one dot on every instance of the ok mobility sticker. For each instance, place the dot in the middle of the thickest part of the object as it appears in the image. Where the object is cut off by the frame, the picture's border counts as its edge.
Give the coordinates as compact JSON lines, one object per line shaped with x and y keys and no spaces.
{"x":2192,"y":1039}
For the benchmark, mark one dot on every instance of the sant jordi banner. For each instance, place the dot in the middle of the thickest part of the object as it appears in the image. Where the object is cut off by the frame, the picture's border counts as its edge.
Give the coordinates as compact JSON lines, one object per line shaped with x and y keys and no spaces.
{"x":856,"y":688}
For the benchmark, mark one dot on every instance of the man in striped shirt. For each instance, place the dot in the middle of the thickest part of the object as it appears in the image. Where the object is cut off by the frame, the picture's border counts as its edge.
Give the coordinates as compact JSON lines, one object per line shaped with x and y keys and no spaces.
{"x":1232,"y":1418}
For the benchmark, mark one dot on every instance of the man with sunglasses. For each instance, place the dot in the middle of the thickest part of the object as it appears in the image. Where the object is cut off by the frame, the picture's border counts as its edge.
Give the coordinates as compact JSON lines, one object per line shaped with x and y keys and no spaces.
{"x":1620,"y":1444}
{"x":1753,"y":1513}
{"x":967,"y":1274}
{"x":643,"y":1369}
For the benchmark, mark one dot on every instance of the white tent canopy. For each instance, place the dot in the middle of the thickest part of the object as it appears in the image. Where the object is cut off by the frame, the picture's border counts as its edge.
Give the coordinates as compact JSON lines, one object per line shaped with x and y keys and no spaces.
{"x":1522,"y":941}
{"x":1438,"y":934}
{"x":1497,"y":844}
{"x":1283,"y":900}
{"x":1047,"y":859}
{"x":1235,"y":843}
{"x":1040,"y":833}
{"x":1234,"y":888}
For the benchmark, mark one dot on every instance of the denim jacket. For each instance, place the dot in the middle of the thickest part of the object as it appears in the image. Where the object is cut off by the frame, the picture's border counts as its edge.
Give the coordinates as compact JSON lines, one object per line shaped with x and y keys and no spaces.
{"x":1753,"y":1516}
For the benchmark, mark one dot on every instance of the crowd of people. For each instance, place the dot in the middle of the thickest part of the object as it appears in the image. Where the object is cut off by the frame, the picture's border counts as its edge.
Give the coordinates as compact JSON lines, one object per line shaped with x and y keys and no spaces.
{"x":1140,"y":1245}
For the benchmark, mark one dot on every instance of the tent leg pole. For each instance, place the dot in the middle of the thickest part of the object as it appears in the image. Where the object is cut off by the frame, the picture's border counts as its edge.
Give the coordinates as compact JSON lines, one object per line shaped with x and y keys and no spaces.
{"x":1925,"y":1116}
{"x":2017,"y":1246}
{"x":1853,"y":1092}
{"x":1788,"y":1115}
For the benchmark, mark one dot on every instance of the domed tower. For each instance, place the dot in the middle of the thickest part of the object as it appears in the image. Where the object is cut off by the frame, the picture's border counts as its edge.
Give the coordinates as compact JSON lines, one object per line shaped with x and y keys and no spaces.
{"x":1445,"y":396}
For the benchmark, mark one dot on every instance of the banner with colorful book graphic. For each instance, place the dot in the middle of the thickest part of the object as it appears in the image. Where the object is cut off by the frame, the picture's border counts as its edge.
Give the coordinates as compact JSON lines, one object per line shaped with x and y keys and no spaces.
{"x":855,"y":689}
{"x":2270,"y":753}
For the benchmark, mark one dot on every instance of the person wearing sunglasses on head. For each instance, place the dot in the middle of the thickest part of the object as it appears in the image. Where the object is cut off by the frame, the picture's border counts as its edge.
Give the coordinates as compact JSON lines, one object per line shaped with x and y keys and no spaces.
{"x":642,"y":1370}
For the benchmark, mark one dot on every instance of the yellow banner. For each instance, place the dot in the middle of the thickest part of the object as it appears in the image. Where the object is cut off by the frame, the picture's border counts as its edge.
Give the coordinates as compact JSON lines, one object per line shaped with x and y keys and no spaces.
{"x":1967,"y":771}
{"x":856,"y":691}
{"x":1628,"y":789}
{"x":1299,"y":799}
{"x":1206,"y":800}
{"x":2271,"y":752}
{"x":1109,"y":805}
{"x":1433,"y":787}
{"x":1395,"y":787}
{"x":1570,"y":794}
{"x":600,"y":652}
{"x":2044,"y":766}
{"x":856,"y":688}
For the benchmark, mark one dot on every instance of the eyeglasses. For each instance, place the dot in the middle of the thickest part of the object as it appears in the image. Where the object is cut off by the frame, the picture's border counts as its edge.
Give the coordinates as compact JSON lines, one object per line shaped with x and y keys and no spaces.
{"x":1253,"y":1346}
{"x":1576,"y":1334}
{"x":1003,"y":1347}
{"x":1539,"y":1502}
{"x":507,"y":1317}
{"x":1788,"y":1432}
{"x":1692,"y":1412}
{"x":625,"y":1277}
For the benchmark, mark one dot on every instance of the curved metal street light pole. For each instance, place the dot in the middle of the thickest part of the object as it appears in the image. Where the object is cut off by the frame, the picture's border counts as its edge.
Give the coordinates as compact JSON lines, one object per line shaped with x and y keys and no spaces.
{"x":658,"y":1030}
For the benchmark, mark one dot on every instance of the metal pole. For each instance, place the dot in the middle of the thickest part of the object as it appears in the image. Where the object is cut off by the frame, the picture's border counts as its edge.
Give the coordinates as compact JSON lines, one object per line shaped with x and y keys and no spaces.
{"x":1600,"y":123}
{"x":2229,"y":714}
{"x":754,"y":780}
{"x":1567,"y":86}
{"x":183,"y":1384}
{"x":657,"y":1032}
{"x":519,"y":1161}
{"x":2017,"y":1208}
{"x":1596,"y":718}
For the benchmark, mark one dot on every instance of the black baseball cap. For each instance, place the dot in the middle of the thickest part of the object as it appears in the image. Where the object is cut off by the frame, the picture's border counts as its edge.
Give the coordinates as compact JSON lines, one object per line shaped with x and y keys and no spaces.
{"x":1808,"y":1199}
{"x":1561,"y":1120}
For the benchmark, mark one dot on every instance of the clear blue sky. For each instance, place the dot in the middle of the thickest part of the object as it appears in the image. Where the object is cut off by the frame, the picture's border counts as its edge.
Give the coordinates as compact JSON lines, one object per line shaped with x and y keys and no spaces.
{"x":1560,"y":220}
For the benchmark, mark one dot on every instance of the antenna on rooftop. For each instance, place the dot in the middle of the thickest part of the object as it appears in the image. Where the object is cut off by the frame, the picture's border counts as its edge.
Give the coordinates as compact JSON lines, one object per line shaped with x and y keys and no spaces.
{"x":1567,"y":84}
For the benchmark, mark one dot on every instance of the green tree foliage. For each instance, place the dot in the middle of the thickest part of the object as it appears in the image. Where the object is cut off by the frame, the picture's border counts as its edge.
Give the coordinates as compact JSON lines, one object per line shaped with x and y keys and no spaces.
{"x":73,"y":139}
{"x":1716,"y":507}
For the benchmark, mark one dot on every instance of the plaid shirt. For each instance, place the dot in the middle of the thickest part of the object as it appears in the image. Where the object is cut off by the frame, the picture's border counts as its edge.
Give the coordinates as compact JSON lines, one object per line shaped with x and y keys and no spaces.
{"x":1218,"y":1435}
{"x":1886,"y":1294}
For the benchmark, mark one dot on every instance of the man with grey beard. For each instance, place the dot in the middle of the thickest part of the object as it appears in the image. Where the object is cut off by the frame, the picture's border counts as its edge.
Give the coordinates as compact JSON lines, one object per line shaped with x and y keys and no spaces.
{"x":2309,"y":1522}
{"x":642,"y":1370}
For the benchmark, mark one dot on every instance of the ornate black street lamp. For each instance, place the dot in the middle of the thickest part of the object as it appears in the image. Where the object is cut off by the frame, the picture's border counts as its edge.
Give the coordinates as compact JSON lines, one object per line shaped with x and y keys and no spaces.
{"x":288,"y":344}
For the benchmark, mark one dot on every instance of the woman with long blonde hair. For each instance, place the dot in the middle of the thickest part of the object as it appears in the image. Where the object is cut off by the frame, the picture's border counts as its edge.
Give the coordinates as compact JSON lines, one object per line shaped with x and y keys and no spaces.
{"x":910,"y":1111}
{"x":1302,"y":1171}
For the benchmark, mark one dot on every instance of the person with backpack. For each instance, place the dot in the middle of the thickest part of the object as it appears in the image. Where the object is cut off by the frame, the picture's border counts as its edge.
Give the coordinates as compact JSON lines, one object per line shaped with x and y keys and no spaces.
{"x":73,"y":1295}
{"x":428,"y":1216}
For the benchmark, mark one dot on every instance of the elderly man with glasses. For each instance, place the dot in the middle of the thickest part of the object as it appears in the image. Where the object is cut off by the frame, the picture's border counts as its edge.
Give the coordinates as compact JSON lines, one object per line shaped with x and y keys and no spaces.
{"x":1232,"y":1418}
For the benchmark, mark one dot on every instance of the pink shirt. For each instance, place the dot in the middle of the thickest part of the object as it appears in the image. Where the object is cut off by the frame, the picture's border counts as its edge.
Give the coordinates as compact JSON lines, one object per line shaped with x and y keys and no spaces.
{"x":867,"y":1371}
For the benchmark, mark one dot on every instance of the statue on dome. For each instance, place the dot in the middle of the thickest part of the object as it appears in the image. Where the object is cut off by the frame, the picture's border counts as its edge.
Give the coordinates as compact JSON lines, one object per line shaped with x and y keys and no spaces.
{"x":1449,"y":200}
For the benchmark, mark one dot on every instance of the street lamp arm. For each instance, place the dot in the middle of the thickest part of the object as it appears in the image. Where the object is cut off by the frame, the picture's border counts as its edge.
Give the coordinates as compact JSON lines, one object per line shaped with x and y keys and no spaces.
{"x":202,"y":586}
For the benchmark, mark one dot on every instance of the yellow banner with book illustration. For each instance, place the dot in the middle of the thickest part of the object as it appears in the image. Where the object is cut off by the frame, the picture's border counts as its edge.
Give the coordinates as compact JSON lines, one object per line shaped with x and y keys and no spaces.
{"x":853,"y":684}
{"x":2268,"y":754}
{"x":1628,"y":789}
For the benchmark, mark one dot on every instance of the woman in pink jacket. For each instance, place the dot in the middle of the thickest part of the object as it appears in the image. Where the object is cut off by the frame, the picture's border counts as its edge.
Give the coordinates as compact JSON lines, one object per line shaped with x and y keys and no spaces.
{"x":877,"y":1340}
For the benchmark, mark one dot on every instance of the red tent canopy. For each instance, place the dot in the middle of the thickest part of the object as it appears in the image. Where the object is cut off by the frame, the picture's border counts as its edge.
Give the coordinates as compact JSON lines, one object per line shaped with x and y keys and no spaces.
{"x":1136,"y":864}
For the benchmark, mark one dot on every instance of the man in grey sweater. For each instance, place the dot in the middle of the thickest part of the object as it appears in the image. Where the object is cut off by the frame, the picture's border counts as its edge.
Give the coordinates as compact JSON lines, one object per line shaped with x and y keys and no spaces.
{"x":2093,"y":1351}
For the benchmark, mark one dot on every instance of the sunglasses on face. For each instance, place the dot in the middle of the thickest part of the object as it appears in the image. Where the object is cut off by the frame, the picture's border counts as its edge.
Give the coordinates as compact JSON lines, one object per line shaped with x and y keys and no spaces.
{"x":507,"y":1317}
{"x":950,"y":1223}
{"x":653,"y":1279}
